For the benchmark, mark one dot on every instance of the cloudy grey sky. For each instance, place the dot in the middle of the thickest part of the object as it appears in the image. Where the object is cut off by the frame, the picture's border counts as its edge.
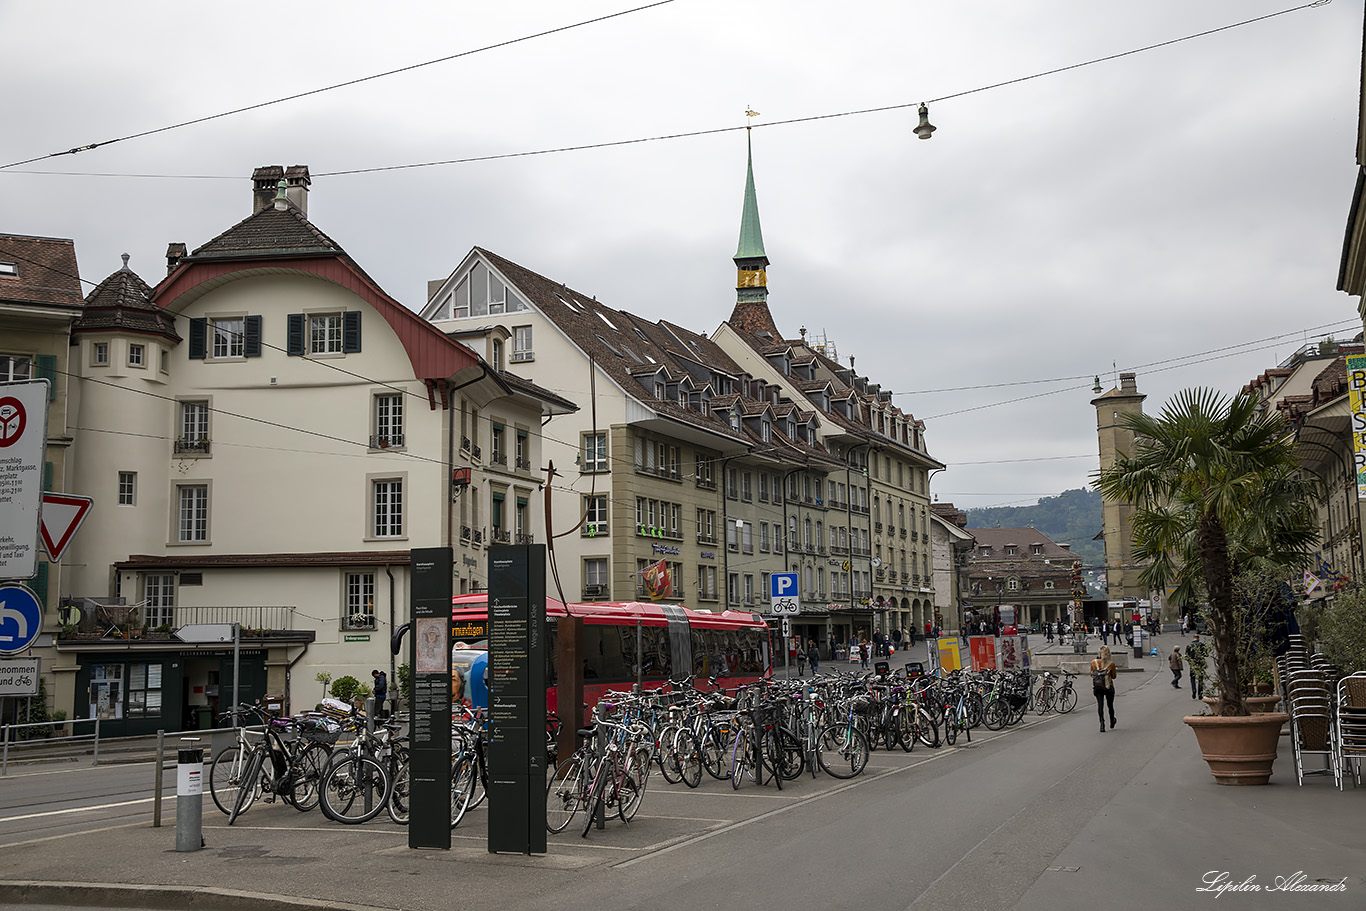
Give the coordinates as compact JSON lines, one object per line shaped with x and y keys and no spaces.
{"x":1143,"y":214}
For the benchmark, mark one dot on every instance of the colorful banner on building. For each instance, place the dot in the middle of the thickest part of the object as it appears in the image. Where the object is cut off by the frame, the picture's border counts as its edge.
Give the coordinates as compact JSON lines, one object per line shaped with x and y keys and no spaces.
{"x":657,"y":581}
{"x":1356,"y":393}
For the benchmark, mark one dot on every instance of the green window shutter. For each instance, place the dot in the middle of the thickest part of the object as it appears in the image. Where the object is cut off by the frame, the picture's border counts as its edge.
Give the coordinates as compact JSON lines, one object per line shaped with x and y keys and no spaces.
{"x":40,"y":584}
{"x":46,"y":365}
{"x":351,"y":331}
{"x":251,"y":340}
{"x":294,"y":334}
{"x":47,"y":476}
{"x":198,"y":339}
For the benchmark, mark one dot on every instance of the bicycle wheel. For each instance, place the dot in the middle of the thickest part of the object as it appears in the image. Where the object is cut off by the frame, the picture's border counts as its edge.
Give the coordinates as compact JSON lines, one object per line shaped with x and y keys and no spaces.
{"x":952,"y":722}
{"x":995,"y":714}
{"x":890,"y":728}
{"x":631,"y":789}
{"x":905,"y":728}
{"x":305,"y":791}
{"x":355,"y":789}
{"x":247,"y":793}
{"x":791,"y":756}
{"x":479,"y":784}
{"x":740,"y":758}
{"x":926,"y":728}
{"x":1067,"y":699}
{"x":973,"y":708}
{"x":667,"y":757}
{"x":715,"y":755}
{"x":689,"y":756}
{"x":1043,"y":704}
{"x":564,"y":795}
{"x":464,"y":781}
{"x":225,"y":777}
{"x":842,"y":750}
{"x":595,"y":793}
{"x":398,"y":795}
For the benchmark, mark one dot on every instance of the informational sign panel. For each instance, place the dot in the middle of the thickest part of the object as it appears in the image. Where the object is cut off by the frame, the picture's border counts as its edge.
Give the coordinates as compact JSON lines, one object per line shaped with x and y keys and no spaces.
{"x":949,"y":659}
{"x":23,"y":446}
{"x":983,"y":651}
{"x":429,"y":736}
{"x":19,"y":677}
{"x":1356,"y":394}
{"x":517,"y":655}
{"x":1011,"y":651}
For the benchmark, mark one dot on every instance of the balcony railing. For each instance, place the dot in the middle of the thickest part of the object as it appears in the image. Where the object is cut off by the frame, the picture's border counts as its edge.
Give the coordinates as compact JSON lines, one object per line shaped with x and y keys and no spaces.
{"x":523,"y":464}
{"x":192,"y":447}
{"x":464,"y":532}
{"x":524,"y":538}
{"x":500,"y":536}
{"x":499,"y":458}
{"x":386,"y":440}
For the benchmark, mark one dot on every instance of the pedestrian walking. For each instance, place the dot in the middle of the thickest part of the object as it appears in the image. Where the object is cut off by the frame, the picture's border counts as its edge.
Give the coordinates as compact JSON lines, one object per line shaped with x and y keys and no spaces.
{"x":1174,"y":662}
{"x":896,"y":638}
{"x":801,"y":659}
{"x":1103,"y":673}
{"x":1105,"y":633}
{"x":381,"y":693}
{"x":863,"y":654}
{"x":813,"y":656}
{"x":1196,"y":654}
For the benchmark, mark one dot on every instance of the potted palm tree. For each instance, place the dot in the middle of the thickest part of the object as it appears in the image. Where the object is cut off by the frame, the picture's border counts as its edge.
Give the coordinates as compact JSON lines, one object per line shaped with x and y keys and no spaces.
{"x":1215,"y":486}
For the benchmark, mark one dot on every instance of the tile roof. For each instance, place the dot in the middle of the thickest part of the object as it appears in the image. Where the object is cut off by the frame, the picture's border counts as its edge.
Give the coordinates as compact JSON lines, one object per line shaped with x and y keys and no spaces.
{"x":998,"y":538}
{"x":45,"y":271}
{"x":619,"y":342}
{"x":122,"y":302}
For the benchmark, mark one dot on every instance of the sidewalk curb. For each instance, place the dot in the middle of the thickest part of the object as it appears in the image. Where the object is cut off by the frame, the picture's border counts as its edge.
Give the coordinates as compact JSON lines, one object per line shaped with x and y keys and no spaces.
{"x":171,"y":898}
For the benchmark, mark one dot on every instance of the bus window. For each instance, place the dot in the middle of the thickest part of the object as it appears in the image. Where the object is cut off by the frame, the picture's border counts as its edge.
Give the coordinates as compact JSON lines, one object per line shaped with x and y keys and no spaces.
{"x":603,"y":659}
{"x":655,"y":646}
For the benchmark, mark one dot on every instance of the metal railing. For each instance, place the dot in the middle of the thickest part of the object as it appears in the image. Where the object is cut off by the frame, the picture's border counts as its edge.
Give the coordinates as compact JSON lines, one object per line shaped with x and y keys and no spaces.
{"x":8,"y":740}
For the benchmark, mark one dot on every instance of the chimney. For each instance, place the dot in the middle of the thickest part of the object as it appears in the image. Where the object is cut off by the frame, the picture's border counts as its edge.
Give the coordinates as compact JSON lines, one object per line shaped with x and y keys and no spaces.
{"x":296,"y":191}
{"x":174,"y":254}
{"x":263,"y":181}
{"x":1128,"y":384}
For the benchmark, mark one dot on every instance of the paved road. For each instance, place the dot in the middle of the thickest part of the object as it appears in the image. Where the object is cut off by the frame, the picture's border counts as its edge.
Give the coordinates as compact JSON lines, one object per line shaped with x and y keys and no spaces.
{"x":1049,"y":816}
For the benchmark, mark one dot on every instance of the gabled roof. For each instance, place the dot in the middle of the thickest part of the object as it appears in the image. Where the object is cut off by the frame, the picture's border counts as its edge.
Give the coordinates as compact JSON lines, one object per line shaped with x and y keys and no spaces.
{"x":280,"y":239}
{"x":621,"y":344}
{"x":45,"y":271}
{"x":123,"y":303}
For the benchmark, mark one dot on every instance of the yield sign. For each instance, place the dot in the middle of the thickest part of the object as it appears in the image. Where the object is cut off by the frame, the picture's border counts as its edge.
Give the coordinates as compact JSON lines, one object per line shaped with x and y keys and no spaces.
{"x":62,"y":514}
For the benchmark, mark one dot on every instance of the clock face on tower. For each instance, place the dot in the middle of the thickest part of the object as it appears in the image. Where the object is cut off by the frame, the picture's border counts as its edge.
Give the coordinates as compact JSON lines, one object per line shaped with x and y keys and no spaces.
{"x":752,"y":278}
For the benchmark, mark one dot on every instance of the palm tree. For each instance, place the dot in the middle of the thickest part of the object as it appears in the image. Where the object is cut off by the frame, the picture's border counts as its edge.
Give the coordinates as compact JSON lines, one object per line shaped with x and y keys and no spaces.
{"x":1215,"y":484}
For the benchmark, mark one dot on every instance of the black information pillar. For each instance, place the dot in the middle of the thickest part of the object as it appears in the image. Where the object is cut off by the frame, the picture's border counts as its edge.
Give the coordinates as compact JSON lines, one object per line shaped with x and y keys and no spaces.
{"x":429,"y":656}
{"x":517,"y":642}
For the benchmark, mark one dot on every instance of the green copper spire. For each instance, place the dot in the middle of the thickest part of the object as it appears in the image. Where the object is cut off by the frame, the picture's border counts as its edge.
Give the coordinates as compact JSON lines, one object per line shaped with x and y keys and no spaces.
{"x":751,"y":236}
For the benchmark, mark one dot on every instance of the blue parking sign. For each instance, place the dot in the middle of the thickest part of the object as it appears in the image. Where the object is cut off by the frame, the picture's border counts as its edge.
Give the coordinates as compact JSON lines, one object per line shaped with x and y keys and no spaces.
{"x":21,"y":619}
{"x":783,"y":594}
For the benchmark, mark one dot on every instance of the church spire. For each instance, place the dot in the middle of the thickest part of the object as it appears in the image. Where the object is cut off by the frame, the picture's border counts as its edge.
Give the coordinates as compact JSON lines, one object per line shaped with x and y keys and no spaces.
{"x":751,"y":283}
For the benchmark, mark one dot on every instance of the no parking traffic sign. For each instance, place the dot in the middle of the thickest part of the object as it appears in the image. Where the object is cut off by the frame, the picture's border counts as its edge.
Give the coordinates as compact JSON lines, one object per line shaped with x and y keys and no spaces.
{"x":23,"y":445}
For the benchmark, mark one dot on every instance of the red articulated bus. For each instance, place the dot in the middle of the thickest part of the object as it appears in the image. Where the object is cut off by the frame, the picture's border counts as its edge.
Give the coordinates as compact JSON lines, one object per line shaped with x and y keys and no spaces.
{"x":675,"y":643}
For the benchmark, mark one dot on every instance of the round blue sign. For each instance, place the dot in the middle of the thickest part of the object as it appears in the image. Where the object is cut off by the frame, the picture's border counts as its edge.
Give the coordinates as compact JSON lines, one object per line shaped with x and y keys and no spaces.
{"x":21,"y":618}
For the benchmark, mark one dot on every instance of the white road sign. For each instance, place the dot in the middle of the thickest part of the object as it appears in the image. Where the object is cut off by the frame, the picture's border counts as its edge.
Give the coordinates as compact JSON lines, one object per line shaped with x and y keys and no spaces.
{"x":23,"y":446}
{"x":19,"y":677}
{"x":783,"y":599}
{"x":205,"y":632}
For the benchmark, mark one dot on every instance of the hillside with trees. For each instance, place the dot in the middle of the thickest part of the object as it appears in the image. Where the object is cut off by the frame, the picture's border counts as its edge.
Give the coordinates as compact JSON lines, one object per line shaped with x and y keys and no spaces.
{"x":1073,"y":517}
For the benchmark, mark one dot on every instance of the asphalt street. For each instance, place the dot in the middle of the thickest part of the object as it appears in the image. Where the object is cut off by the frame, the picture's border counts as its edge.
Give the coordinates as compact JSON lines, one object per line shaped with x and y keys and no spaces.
{"x":1051,"y":814}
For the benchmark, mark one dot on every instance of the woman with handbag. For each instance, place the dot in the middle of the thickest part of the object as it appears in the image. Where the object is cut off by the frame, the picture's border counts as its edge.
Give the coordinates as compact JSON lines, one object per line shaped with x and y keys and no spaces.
{"x":1103,"y":673}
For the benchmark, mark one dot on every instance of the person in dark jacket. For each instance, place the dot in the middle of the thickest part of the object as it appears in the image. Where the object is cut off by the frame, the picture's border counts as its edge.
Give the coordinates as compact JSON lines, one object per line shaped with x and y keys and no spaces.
{"x":381,"y":693}
{"x":1196,"y":654}
{"x":813,"y":656}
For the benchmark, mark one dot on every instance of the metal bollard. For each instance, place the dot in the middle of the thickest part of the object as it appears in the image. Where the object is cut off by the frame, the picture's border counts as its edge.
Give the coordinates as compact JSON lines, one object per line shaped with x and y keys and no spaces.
{"x":156,"y":779}
{"x":189,"y":791}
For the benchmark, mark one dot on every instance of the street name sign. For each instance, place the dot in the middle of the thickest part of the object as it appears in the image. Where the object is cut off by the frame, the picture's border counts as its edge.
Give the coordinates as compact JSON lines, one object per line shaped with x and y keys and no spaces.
{"x":23,"y":446}
{"x":783,"y":599}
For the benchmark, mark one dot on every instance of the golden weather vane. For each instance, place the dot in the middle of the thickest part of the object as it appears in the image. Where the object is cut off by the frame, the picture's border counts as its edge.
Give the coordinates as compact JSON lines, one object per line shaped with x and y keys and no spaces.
{"x":750,"y":114}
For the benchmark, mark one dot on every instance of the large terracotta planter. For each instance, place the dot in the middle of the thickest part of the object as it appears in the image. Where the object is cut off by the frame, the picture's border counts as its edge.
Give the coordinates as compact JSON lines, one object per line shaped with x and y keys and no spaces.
{"x":1240,"y":749}
{"x":1257,"y":705}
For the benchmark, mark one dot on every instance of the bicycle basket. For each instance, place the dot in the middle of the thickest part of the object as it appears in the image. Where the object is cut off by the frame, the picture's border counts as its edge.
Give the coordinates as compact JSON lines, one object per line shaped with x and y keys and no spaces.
{"x":1015,"y":700}
{"x":865,"y":706}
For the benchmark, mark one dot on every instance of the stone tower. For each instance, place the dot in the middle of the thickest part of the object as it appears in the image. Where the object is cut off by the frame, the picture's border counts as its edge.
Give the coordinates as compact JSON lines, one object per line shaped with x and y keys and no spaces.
{"x":1121,"y":573}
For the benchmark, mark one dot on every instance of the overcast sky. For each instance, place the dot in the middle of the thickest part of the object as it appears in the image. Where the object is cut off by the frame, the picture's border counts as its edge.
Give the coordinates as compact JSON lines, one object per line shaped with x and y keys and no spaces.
{"x":1139,"y":214}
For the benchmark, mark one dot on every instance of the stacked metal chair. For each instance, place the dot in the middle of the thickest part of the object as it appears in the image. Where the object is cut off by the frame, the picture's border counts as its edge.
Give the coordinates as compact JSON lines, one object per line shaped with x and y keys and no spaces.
{"x":1350,"y":734}
{"x":1309,"y":699}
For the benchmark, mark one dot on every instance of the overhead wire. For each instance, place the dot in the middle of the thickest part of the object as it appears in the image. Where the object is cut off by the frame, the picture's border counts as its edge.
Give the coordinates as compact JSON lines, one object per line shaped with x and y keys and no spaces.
{"x":644,"y":139}
{"x":328,"y":88}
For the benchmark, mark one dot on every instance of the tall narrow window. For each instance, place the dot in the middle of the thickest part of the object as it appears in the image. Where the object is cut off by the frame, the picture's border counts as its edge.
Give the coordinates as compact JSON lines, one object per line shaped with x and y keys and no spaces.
{"x":388,"y":422}
{"x":595,"y":521}
{"x":229,"y":337}
{"x":359,"y":610}
{"x":158,"y":592}
{"x":594,"y":457}
{"x":387,"y":508}
{"x":192,"y":513}
{"x":128,"y":488}
{"x":325,"y":333}
{"x":194,"y":429}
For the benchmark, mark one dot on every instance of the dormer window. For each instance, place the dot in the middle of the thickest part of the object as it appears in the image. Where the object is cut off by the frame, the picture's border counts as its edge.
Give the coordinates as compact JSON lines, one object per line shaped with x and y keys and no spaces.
{"x":766,"y":430}
{"x":496,"y":352}
{"x":1011,"y":550}
{"x":659,"y":390}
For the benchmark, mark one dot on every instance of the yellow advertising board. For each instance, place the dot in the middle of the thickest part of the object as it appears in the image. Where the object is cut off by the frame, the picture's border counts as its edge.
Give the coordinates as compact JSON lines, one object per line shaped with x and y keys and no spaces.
{"x":1356,"y":393}
{"x":948,"y":655}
